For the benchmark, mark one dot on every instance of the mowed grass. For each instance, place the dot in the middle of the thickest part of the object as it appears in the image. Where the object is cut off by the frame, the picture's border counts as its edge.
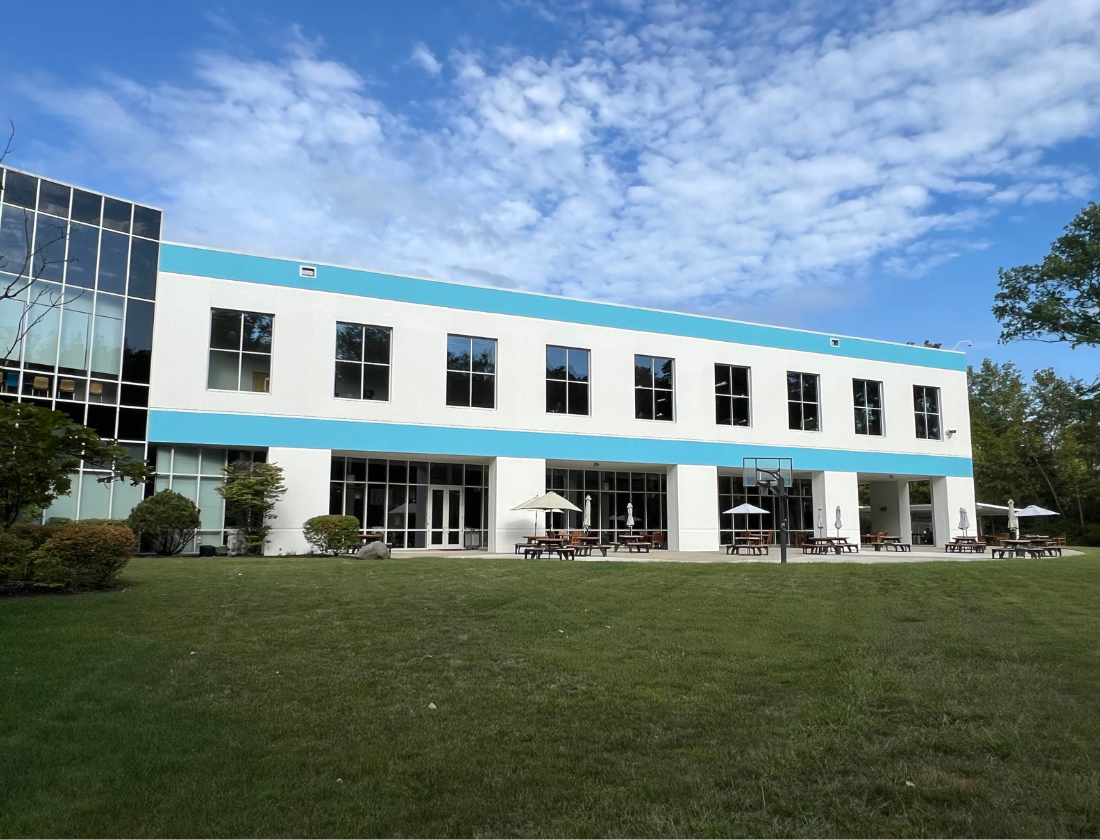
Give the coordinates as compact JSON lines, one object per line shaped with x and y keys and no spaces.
{"x":290,"y":697}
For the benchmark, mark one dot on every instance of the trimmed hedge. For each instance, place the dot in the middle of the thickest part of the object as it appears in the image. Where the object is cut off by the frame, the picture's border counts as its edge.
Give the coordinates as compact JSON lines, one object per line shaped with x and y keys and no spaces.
{"x":332,"y":534}
{"x":36,"y":535}
{"x":83,"y":556}
{"x":16,"y":562}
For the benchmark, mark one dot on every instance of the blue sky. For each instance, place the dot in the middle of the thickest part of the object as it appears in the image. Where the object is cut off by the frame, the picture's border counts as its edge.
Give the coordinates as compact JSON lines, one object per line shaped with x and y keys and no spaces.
{"x":863,"y":173}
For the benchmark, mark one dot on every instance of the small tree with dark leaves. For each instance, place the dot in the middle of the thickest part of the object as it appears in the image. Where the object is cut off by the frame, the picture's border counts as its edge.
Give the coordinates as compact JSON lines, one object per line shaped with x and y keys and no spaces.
{"x":167,"y":521}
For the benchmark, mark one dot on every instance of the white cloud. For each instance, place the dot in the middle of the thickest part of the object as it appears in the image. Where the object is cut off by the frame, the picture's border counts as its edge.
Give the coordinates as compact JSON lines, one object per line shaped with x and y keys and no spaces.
{"x":424,"y":57}
{"x":690,"y":160}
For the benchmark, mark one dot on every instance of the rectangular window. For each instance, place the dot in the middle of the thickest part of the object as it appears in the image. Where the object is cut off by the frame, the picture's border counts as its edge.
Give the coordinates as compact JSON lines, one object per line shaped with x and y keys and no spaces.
{"x":803,"y":404}
{"x":362,"y":362}
{"x":653,"y":388}
{"x":731,"y":395}
{"x":926,"y":409}
{"x":471,"y":371}
{"x":868,"y":406}
{"x":566,"y":380}
{"x":240,"y":351}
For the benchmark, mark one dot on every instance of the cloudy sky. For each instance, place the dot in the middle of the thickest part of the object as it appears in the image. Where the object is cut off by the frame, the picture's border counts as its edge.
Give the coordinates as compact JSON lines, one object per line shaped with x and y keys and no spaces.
{"x":860,"y":174}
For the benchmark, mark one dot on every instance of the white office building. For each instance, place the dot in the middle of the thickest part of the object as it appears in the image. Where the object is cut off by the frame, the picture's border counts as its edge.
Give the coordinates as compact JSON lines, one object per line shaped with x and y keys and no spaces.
{"x":429,"y":410}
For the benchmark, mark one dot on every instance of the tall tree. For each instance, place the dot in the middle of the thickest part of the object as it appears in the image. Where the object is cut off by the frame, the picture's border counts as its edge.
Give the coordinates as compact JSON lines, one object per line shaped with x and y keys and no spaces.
{"x":1058,"y":299}
{"x":251,"y":490}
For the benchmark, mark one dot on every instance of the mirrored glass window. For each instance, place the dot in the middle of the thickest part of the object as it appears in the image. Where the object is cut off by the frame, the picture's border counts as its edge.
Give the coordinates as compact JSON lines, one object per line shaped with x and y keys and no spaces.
{"x":867,"y":396}
{"x":54,"y":199}
{"x":240,"y":351}
{"x":567,"y":386}
{"x":731,"y":395}
{"x":926,"y":410}
{"x":653,"y":388}
{"x":20,"y":190}
{"x":471,"y":371}
{"x":362,"y":362}
{"x":803,"y":408}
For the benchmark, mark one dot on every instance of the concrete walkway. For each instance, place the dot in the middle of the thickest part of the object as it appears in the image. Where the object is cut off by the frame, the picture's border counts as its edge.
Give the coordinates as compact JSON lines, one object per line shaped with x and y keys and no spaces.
{"x":927,"y":554}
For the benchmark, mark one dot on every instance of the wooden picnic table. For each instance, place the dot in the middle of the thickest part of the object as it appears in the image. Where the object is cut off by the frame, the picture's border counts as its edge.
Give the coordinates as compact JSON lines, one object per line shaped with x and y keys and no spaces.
{"x":890,"y":542}
{"x":966,"y":544}
{"x":822,"y":545}
{"x":751,"y":543}
{"x":634,"y":542}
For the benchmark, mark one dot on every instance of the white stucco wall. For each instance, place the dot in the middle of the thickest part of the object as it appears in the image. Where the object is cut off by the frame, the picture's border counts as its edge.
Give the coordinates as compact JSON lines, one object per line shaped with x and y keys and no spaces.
{"x":949,"y":494}
{"x":306,"y":475}
{"x":693,"y":508}
{"x":513,"y":481}
{"x":302,"y":372}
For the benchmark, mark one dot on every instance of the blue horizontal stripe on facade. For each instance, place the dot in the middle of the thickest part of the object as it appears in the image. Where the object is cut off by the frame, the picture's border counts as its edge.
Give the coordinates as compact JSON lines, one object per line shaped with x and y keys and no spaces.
{"x":203,"y":262}
{"x":245,"y":430}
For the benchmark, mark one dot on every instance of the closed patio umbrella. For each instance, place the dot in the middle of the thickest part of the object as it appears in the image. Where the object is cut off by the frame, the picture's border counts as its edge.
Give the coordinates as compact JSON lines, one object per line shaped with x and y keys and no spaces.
{"x":587,"y":524}
{"x":630,"y":515}
{"x":837,"y":524}
{"x":964,"y":521}
{"x":1013,"y":522}
{"x":821,"y":521}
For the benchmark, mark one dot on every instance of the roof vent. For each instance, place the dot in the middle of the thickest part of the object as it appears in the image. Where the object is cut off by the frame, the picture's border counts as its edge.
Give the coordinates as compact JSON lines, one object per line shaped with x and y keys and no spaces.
{"x":834,"y":342}
{"x":307,"y":271}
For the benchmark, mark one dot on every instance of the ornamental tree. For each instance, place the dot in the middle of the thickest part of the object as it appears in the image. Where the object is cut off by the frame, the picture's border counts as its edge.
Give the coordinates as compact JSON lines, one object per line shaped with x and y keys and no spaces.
{"x":167,"y":520}
{"x":251,"y":491}
{"x":40,"y":449}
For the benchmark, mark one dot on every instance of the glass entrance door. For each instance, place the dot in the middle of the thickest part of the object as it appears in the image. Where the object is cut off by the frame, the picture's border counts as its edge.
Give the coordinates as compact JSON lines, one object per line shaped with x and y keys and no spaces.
{"x":446,"y":517}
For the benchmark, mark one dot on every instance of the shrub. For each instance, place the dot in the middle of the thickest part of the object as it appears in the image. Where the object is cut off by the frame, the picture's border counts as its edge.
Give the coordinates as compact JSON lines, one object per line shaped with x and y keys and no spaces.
{"x":16,"y":561}
{"x":36,"y":535}
{"x":168,"y":521}
{"x":83,"y":556}
{"x":121,"y":523}
{"x":332,"y":534}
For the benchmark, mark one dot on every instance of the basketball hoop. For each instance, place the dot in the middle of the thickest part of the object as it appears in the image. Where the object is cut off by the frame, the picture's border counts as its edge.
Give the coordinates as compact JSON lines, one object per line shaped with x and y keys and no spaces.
{"x":772,"y":477}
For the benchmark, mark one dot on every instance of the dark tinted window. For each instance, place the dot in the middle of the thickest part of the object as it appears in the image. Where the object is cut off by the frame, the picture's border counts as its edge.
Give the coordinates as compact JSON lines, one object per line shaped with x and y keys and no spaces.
{"x":257,"y":332}
{"x":112,"y":262}
{"x":86,"y":207}
{"x":349,"y":343}
{"x":49,"y":248}
{"x":54,"y":199}
{"x":116,"y":214}
{"x":14,"y":244}
{"x":146,"y":222}
{"x":225,"y":329}
{"x":143,"y":268}
{"x":101,"y":420}
{"x":131,"y":423}
{"x":138,"y":342}
{"x":135,"y":395}
{"x":20,"y":189}
{"x":83,"y":244}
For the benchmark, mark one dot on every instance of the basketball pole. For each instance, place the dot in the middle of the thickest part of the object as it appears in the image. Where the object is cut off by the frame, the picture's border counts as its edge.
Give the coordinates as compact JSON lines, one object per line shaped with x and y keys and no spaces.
{"x":783,"y":534}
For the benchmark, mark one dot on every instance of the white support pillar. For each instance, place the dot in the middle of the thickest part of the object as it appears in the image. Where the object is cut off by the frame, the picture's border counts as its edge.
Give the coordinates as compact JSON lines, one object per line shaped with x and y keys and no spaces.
{"x":511,"y":482}
{"x":833,"y":489}
{"x":949,"y":494}
{"x":890,"y":508}
{"x":693,"y":508}
{"x":306,"y":475}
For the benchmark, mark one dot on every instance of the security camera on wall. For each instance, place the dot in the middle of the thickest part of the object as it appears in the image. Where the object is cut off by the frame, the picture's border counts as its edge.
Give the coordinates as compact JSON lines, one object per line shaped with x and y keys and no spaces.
{"x":951,"y":432}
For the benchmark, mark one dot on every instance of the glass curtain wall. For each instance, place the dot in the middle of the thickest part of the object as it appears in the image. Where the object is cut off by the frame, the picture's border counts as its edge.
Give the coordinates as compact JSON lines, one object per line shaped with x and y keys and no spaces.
{"x":611,"y":492}
{"x":85,"y":300}
{"x":800,"y":509}
{"x":391,"y":496}
{"x":196,"y":472}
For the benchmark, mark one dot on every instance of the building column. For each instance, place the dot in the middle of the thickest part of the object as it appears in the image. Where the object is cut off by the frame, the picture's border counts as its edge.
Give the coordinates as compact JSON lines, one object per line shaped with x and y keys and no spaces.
{"x":837,"y":489}
{"x":693,"y":508}
{"x":890,"y":508}
{"x":513,"y":481}
{"x":949,"y":494}
{"x":306,"y":474}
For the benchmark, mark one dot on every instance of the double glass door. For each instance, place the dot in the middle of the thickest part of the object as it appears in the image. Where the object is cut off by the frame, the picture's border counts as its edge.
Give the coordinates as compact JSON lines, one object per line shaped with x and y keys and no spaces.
{"x":445,"y":516}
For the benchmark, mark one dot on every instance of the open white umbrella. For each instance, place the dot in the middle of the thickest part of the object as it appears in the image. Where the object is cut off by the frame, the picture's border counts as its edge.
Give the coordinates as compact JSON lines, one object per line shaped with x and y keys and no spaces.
{"x":746,"y":508}
{"x":1013,"y":523}
{"x":550,"y":501}
{"x":837,"y":524}
{"x":1035,"y":510}
{"x":964,"y":521}
{"x":587,"y":524}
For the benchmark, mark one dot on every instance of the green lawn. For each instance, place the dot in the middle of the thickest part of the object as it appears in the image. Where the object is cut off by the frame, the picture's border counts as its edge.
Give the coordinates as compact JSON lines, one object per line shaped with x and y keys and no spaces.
{"x":291,"y":697}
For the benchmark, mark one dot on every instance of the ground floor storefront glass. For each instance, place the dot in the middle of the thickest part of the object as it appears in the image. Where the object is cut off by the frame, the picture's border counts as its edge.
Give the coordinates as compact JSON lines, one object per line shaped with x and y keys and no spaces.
{"x":800,"y":509}
{"x":610,"y":493}
{"x":415,"y":504}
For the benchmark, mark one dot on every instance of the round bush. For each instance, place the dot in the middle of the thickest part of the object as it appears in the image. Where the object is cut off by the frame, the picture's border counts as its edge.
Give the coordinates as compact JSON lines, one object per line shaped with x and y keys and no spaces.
{"x":16,"y":562}
{"x":167,"y":522}
{"x":84,"y":556}
{"x":332,"y":534}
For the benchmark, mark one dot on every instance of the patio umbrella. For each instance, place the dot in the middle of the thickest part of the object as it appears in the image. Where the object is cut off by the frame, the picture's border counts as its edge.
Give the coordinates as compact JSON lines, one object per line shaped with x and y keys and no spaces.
{"x":551,"y":501}
{"x":630,"y":515}
{"x":746,"y":508}
{"x":1013,"y":523}
{"x":821,"y":521}
{"x":1035,"y":510}
{"x":587,"y":513}
{"x":964,"y":521}
{"x":837,"y":524}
